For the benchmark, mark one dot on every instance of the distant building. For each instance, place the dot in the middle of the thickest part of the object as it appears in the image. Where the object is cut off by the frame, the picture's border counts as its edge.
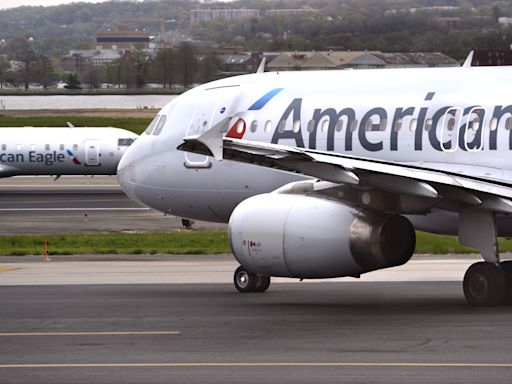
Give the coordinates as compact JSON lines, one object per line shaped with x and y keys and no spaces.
{"x":415,"y":59}
{"x":242,"y":62}
{"x":198,"y":15}
{"x":322,"y":60}
{"x":79,"y":60}
{"x":492,"y":57}
{"x":123,"y":39}
{"x":505,"y":21}
{"x":291,"y":11}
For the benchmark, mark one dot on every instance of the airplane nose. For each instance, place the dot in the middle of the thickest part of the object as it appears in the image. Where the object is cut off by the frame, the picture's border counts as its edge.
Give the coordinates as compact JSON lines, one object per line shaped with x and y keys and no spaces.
{"x":127,"y":168}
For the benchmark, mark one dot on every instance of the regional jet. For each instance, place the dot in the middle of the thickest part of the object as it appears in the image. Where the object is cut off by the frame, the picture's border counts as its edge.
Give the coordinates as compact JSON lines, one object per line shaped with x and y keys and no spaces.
{"x":62,"y":151}
{"x":326,"y":174}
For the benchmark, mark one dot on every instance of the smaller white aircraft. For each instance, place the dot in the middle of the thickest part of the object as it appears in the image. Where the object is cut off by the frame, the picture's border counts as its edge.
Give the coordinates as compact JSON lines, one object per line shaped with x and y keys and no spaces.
{"x":62,"y":151}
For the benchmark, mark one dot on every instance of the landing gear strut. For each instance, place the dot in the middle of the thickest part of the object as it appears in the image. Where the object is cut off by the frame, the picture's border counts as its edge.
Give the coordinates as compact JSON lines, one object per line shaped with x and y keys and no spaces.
{"x":246,"y":281}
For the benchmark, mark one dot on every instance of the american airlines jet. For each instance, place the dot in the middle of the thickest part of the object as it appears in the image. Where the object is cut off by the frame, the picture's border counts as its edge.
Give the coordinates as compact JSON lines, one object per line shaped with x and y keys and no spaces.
{"x":328,"y":174}
{"x":62,"y":151}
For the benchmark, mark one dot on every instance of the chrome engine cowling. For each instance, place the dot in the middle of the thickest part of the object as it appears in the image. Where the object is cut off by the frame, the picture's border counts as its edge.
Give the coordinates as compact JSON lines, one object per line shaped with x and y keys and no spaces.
{"x":308,"y":237}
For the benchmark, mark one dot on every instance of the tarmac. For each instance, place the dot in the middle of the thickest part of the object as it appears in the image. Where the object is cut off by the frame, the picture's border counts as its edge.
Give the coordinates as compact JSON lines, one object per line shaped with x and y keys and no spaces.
{"x":178,"y":319}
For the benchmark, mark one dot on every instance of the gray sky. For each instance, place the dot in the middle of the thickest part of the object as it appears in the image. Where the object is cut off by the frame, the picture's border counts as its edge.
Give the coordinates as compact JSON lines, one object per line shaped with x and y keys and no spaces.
{"x":17,"y":3}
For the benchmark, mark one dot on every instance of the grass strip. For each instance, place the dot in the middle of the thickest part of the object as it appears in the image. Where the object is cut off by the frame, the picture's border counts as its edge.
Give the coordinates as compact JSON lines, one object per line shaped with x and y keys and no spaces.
{"x":117,"y":243}
{"x":177,"y":243}
{"x":134,"y":124}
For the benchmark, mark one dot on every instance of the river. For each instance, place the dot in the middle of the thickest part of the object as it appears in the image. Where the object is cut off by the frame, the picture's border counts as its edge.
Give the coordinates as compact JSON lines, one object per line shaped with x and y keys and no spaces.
{"x":84,"y":102}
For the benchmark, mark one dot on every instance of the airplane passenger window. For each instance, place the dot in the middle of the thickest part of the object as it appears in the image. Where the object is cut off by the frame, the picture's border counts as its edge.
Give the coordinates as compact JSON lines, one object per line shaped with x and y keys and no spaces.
{"x":32,"y":147}
{"x":151,"y":126}
{"x":383,"y":124}
{"x":428,"y":125}
{"x":451,"y":124}
{"x":369,"y":125}
{"x":281,"y":126}
{"x":47,"y":147}
{"x":18,"y":147}
{"x":125,"y":142}
{"x":398,"y":125}
{"x":61,"y":147}
{"x":475,"y":124}
{"x":508,"y":124}
{"x":240,"y":126}
{"x":494,"y":124}
{"x":254,"y":126}
{"x":268,"y":126}
{"x":160,"y":125}
{"x":4,"y":147}
{"x":413,"y":124}
{"x":339,"y":125}
{"x":311,"y":125}
{"x":296,"y":126}
{"x":325,"y":126}
{"x":75,"y":147}
{"x":353,"y":125}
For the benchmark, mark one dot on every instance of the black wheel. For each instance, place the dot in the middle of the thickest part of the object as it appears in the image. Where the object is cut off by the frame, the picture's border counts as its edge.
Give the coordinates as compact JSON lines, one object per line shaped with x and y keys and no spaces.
{"x":262,"y":283}
{"x":484,"y":285}
{"x":244,"y":280}
{"x":507,"y":267}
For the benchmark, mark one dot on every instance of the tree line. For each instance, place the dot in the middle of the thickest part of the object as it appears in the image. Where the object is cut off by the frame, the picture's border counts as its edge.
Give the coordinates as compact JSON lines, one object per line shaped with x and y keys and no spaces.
{"x":169,"y":67}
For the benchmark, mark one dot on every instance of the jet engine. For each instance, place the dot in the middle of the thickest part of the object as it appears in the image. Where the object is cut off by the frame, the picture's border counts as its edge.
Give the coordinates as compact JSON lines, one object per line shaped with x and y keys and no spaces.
{"x":308,"y":237}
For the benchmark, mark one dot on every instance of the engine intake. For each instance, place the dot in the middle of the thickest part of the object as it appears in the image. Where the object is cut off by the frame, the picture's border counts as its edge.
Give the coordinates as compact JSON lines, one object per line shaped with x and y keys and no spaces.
{"x":308,"y":237}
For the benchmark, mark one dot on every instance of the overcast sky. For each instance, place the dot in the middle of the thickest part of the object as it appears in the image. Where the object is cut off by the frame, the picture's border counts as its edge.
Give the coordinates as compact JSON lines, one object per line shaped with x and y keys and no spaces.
{"x":17,"y":3}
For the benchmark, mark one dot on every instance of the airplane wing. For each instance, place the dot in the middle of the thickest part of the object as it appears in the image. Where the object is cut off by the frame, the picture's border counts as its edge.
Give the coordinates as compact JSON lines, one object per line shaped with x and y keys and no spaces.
{"x":398,"y":187}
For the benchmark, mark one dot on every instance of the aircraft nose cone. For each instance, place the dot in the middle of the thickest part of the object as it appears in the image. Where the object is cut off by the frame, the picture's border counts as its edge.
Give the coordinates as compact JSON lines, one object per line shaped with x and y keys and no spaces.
{"x":127,"y":169}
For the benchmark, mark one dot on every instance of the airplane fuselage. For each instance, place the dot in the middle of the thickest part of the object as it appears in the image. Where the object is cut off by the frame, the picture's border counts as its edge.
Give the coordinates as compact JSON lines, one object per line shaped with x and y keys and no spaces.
{"x":454,"y":119}
{"x":62,"y":151}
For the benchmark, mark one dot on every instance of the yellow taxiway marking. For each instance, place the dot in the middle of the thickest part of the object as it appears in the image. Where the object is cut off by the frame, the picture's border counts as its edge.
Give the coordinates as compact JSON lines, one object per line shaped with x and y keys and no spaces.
{"x":89,"y":333}
{"x":6,"y":269}
{"x":263,"y":364}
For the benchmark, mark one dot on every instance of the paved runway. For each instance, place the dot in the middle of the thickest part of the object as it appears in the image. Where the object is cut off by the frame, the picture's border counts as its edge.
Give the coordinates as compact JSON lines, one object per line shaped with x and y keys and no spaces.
{"x":374,"y":330}
{"x":39,"y":205}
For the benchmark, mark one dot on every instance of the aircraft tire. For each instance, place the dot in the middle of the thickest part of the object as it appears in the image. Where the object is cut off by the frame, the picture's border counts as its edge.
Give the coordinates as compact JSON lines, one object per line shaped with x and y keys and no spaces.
{"x":484,"y":285}
{"x":244,"y":280}
{"x":262,"y":283}
{"x":507,"y":267}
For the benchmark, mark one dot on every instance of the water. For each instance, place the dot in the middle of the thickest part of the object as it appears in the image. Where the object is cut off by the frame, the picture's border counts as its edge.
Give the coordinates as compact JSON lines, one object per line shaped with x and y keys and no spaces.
{"x":84,"y":102}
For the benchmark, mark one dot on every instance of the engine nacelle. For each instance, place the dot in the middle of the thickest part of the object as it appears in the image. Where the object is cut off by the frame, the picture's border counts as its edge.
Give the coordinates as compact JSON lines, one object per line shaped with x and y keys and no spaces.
{"x":307,"y":237}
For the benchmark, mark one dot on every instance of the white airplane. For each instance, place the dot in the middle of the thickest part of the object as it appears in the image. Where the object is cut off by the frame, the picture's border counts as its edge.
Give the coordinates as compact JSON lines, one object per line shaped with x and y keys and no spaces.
{"x":62,"y":151}
{"x":327,"y":174}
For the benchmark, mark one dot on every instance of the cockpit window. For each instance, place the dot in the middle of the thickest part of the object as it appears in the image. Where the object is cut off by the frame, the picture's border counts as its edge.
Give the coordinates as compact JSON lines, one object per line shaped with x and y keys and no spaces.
{"x":125,"y":142}
{"x":160,"y":125}
{"x":151,"y":126}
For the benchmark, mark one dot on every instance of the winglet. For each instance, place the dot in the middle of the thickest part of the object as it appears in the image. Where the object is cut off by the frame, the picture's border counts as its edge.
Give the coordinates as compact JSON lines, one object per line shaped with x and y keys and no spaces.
{"x":261,"y":67}
{"x":213,"y":137}
{"x":469,"y":60}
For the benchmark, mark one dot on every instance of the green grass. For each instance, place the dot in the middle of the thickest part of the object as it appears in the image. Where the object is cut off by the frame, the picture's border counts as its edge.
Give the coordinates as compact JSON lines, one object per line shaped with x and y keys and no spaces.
{"x":438,"y":244}
{"x":134,"y":124}
{"x":117,"y":243}
{"x":177,"y":243}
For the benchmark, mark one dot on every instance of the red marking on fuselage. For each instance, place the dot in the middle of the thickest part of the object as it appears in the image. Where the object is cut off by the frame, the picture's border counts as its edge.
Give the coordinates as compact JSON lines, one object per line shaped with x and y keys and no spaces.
{"x":235,"y":132}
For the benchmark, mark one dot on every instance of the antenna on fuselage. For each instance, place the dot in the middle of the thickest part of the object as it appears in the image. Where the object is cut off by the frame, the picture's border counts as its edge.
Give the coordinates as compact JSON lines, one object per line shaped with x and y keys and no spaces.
{"x":70,"y":125}
{"x":261,"y":67}
{"x":469,"y":60}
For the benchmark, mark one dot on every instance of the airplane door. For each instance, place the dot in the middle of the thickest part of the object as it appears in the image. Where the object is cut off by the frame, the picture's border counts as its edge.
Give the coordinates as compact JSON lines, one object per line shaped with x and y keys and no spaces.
{"x":207,"y":113}
{"x":92,"y":153}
